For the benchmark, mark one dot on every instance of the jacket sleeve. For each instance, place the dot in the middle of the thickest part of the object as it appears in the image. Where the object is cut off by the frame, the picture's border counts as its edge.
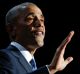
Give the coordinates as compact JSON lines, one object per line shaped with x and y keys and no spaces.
{"x":42,"y":70}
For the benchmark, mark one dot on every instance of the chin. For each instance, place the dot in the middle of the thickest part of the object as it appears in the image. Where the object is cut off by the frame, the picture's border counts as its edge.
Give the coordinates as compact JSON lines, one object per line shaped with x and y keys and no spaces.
{"x":40,"y":42}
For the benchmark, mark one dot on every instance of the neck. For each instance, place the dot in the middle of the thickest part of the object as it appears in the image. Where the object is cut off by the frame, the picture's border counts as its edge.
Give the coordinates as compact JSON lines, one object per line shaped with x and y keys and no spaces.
{"x":30,"y":48}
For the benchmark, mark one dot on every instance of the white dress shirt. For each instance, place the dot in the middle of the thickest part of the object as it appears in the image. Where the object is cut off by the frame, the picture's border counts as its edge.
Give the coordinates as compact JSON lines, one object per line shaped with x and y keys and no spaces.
{"x":24,"y":52}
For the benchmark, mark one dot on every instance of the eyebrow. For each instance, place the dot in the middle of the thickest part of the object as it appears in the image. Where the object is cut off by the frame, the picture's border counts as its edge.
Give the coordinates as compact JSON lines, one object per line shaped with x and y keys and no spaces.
{"x":34,"y":15}
{"x":30,"y":14}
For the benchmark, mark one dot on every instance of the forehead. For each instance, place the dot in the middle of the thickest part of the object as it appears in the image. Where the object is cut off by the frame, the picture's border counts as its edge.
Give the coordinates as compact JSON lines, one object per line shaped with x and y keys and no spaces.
{"x":33,"y":10}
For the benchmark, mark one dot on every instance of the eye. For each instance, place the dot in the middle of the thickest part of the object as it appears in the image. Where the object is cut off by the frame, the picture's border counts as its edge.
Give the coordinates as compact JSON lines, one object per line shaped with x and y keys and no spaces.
{"x":42,"y":20}
{"x":29,"y":19}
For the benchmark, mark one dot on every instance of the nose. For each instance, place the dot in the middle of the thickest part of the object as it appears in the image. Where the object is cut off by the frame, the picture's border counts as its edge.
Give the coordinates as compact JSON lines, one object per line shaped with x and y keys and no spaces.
{"x":38,"y":23}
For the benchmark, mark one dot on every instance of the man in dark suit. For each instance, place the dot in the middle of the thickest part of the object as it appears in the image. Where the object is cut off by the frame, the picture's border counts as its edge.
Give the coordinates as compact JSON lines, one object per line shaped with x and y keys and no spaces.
{"x":25,"y":25}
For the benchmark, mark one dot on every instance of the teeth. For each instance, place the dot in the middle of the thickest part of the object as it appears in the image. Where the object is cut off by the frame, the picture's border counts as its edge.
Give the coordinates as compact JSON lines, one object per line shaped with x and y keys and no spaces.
{"x":38,"y":33}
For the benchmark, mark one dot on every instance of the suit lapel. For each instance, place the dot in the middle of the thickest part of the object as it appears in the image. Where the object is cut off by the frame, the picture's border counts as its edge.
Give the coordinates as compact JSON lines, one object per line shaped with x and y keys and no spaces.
{"x":25,"y":64}
{"x":20,"y":58}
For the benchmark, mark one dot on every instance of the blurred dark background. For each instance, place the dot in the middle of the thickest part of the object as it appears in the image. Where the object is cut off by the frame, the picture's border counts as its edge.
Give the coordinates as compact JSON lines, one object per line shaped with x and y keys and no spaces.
{"x":60,"y":19}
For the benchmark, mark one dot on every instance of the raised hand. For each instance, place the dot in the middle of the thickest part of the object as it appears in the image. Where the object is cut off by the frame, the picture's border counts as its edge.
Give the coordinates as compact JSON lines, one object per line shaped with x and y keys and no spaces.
{"x":58,"y":62}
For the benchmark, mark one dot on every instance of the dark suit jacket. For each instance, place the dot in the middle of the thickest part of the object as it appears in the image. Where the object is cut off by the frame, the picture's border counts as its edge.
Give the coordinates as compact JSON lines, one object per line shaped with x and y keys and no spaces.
{"x":12,"y":62}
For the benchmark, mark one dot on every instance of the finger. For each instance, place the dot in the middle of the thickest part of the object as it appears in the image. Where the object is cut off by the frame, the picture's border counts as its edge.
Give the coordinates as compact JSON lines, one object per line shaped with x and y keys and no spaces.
{"x":67,"y":39}
{"x":64,"y":43}
{"x":68,"y":60}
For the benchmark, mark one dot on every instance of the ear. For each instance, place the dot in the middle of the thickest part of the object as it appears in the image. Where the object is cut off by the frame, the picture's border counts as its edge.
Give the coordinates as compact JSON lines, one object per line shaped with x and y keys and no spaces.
{"x":11,"y":29}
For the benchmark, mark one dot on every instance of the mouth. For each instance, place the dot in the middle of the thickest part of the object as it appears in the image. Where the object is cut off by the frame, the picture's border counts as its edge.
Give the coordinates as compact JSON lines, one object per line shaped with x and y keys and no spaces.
{"x":38,"y":33}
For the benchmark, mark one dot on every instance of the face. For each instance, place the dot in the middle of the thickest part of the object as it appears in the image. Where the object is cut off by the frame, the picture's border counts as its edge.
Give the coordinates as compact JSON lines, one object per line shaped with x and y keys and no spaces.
{"x":30,"y":27}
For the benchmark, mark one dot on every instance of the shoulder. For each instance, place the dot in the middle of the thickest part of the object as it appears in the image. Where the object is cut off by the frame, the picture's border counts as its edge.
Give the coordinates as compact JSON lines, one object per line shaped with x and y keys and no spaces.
{"x":6,"y":53}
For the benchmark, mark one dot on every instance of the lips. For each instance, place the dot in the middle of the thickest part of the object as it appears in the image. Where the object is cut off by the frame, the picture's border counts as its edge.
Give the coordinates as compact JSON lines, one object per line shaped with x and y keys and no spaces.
{"x":38,"y":32}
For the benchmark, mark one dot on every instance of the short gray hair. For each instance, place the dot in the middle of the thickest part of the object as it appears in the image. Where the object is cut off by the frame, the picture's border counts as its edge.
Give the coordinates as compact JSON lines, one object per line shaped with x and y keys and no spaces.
{"x":15,"y":11}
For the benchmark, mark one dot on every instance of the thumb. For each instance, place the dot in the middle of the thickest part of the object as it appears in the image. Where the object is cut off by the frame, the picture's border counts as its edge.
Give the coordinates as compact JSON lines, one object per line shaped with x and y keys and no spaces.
{"x":68,"y":60}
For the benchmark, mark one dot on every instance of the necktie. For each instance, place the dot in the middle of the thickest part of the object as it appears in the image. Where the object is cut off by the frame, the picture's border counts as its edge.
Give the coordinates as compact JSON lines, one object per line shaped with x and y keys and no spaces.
{"x":33,"y":64}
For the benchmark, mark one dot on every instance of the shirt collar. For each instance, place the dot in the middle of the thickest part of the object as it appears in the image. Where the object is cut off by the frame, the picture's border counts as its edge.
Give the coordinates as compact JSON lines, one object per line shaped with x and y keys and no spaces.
{"x":23,"y":51}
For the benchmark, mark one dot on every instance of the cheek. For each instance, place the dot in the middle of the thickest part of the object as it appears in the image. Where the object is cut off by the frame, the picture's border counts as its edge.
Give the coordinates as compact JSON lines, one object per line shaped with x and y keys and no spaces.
{"x":26,"y":31}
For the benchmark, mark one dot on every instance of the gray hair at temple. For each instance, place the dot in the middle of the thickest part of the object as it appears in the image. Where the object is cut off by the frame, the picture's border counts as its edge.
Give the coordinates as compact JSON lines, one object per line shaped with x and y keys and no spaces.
{"x":15,"y":11}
